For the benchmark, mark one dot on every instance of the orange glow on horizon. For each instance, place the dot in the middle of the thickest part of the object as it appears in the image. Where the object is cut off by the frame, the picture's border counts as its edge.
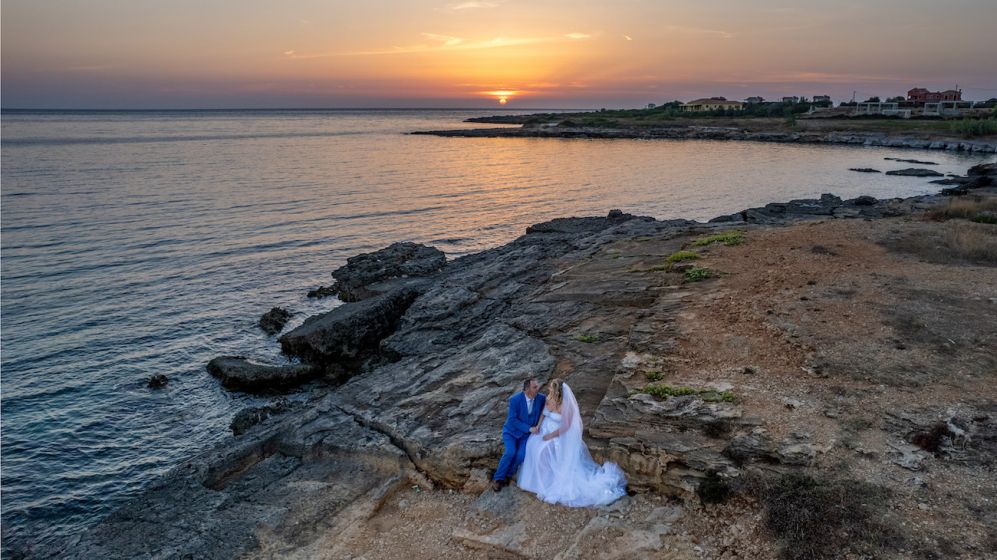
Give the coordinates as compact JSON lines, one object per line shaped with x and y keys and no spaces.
{"x":502,"y":95}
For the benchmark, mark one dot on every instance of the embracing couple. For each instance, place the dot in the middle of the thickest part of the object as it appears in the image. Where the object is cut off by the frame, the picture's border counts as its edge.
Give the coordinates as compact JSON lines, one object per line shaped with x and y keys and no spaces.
{"x":543,"y":440}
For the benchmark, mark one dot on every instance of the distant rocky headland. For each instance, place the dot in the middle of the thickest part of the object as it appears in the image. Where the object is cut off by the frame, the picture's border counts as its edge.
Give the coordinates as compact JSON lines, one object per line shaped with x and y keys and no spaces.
{"x":823,"y":131}
{"x":807,"y":379}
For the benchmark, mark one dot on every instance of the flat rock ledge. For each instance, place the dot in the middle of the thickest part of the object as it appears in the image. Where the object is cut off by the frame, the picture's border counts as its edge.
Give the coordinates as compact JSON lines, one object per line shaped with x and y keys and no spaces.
{"x":239,"y":373}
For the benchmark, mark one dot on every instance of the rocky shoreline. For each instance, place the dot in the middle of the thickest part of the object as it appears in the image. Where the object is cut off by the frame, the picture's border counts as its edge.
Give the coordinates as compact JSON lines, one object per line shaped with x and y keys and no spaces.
{"x":421,"y":361}
{"x":721,"y":133}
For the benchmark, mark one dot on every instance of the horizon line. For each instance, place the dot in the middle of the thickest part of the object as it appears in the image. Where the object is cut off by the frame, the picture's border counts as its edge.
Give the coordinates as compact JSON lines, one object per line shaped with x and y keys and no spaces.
{"x":65,"y":109}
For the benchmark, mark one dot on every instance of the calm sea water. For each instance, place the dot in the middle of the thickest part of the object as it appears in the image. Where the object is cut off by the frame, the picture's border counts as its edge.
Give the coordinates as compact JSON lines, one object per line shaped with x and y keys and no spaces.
{"x":143,"y":243}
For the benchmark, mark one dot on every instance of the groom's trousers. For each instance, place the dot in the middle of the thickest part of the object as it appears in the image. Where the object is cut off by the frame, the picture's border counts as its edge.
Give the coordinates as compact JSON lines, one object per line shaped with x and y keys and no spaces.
{"x":512,"y":458}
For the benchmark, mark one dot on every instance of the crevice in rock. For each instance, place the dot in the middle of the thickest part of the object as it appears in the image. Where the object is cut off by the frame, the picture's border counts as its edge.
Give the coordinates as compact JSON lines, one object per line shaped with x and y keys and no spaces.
{"x":396,"y":440}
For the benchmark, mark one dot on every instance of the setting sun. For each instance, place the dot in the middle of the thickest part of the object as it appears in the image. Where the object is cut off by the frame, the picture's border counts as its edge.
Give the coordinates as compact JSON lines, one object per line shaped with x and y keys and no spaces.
{"x":502,"y":95}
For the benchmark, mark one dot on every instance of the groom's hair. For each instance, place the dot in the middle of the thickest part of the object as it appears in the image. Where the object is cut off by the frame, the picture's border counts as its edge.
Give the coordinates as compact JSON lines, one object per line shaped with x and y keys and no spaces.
{"x":527,"y":381}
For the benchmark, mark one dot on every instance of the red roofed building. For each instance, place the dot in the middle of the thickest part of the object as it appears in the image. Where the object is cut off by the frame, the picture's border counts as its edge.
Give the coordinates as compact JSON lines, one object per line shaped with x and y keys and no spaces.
{"x":920,"y":96}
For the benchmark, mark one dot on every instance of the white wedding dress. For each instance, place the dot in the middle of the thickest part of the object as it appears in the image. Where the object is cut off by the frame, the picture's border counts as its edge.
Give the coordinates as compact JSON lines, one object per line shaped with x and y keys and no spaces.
{"x":561,"y":470}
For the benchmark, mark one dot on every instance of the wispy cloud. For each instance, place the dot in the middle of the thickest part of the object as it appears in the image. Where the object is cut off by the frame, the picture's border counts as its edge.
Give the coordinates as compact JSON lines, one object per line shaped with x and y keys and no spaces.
{"x":628,"y":38}
{"x":445,"y":40}
{"x":471,"y":5}
{"x":457,"y":44}
{"x":699,"y":31}
{"x":435,"y":42}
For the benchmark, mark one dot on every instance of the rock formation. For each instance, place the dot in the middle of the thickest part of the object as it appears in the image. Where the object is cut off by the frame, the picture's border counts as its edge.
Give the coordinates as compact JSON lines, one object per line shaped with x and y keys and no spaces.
{"x":273,"y":321}
{"x":433,"y":350}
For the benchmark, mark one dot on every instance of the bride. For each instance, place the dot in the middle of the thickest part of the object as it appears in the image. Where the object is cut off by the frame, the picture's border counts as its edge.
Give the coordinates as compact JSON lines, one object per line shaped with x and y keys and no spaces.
{"x":558,"y":467}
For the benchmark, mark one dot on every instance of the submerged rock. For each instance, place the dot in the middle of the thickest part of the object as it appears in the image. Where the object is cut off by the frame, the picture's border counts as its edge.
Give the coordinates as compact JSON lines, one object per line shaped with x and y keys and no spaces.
{"x":915,"y":172}
{"x":354,"y":280}
{"x":157,"y":381}
{"x":914,"y":161}
{"x":237,"y":372}
{"x":322,"y":291}
{"x":273,"y":321}
{"x":864,"y":170}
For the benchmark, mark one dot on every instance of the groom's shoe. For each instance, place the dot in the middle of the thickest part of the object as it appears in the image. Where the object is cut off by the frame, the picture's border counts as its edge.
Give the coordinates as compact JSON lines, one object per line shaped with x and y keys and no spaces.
{"x":497,"y":485}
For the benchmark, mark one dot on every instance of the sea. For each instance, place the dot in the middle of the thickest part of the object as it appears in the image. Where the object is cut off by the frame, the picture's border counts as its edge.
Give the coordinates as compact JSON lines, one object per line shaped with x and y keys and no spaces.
{"x":148,"y":242}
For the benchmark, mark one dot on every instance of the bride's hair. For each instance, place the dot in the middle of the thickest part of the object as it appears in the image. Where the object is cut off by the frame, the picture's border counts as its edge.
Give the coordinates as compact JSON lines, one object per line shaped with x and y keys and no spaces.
{"x":554,"y":391}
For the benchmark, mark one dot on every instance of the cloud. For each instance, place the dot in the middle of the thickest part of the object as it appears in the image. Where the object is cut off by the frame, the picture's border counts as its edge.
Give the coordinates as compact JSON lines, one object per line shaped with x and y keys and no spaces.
{"x":628,"y":38}
{"x":440,"y":43}
{"x":447,"y":43}
{"x":445,"y":40}
{"x":472,"y":5}
{"x":699,"y":30}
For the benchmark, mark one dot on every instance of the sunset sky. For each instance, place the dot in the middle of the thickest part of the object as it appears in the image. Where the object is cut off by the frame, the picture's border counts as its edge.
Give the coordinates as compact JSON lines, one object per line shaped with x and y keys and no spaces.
{"x":472,"y":53}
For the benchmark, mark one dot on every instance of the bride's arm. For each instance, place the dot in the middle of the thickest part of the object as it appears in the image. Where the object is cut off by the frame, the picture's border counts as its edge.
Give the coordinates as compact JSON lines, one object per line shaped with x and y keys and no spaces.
{"x":536,"y":429}
{"x":565,"y":424}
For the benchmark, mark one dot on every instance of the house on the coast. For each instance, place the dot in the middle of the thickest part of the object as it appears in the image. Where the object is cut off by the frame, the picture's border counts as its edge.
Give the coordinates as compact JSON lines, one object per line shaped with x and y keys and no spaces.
{"x":791,"y":99}
{"x":920,"y":96}
{"x":754,"y":100}
{"x":712,"y":104}
{"x":822,"y":99}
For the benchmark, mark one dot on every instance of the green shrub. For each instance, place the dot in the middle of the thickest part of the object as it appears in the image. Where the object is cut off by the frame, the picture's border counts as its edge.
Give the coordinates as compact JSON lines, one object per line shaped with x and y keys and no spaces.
{"x":666,"y":391}
{"x":654,"y":375}
{"x":971,"y":128}
{"x":679,"y":256}
{"x":696,"y":274}
{"x":728,"y":238}
{"x":587,"y":338}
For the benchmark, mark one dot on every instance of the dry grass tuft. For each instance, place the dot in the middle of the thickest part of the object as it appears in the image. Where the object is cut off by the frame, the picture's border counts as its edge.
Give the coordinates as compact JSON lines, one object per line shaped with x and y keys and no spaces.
{"x":958,"y":242}
{"x":827,"y":518}
{"x":967,"y":207}
{"x":973,"y":242}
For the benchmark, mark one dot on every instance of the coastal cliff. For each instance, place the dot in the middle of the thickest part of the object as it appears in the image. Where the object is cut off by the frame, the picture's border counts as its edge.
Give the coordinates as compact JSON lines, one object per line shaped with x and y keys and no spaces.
{"x":795,"y":380}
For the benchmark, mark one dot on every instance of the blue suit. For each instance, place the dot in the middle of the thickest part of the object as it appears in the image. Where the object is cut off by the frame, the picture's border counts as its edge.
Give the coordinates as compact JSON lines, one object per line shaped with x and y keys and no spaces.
{"x":516,"y":431}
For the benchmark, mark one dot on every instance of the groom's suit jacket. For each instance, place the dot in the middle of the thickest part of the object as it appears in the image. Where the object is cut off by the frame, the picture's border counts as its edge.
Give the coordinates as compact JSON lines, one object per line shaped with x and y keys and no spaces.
{"x":520,"y":420}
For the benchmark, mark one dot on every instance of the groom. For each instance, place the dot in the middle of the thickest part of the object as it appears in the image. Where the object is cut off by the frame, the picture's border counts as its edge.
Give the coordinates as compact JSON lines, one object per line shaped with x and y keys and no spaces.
{"x":524,"y":412}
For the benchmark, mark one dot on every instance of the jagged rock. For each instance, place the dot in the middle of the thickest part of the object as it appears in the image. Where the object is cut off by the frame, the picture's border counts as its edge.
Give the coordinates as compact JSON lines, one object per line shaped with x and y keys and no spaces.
{"x":966,"y":434}
{"x":249,"y":417}
{"x":157,"y":381}
{"x":354,"y":280}
{"x":237,"y":372}
{"x":584,"y":225}
{"x":751,"y":446}
{"x":983,"y":169}
{"x":864,"y":200}
{"x":907,"y":456}
{"x":322,"y":291}
{"x":796,"y":453}
{"x":349,"y":332}
{"x":914,"y":161}
{"x":434,"y":414}
{"x":915,"y":172}
{"x":273,"y":321}
{"x":864,"y":170}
